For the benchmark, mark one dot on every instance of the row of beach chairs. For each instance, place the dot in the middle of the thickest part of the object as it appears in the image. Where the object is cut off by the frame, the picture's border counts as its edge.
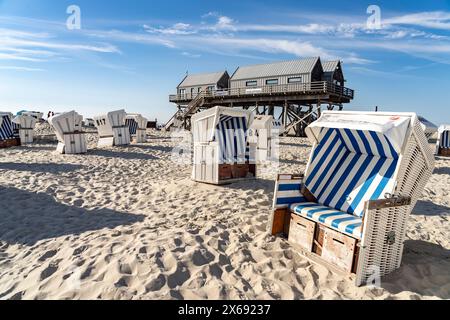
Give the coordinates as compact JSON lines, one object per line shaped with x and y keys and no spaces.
{"x":115,"y":129}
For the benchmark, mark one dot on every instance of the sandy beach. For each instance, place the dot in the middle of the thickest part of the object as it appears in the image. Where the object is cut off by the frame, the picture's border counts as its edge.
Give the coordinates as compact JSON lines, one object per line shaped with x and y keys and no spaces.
{"x":128,"y":223}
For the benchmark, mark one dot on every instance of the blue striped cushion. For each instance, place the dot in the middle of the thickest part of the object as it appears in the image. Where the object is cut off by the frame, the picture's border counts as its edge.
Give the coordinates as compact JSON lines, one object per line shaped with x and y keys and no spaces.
{"x":445,"y":140}
{"x":288,"y":193}
{"x":334,"y":219}
{"x":348,"y":168}
{"x":6,"y":129}
{"x":231,"y":134}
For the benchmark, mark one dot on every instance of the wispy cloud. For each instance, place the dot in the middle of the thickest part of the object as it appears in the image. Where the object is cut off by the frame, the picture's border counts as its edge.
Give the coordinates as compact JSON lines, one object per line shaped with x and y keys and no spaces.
{"x":25,"y":69}
{"x":432,"y":20}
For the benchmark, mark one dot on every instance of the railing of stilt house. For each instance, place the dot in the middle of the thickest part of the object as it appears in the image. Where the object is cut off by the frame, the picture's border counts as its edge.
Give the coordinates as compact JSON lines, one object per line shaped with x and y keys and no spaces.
{"x":324,"y":87}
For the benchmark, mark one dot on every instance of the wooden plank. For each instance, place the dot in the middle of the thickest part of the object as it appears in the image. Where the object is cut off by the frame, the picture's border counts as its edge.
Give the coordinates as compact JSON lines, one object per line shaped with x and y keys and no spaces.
{"x":301,"y":232}
{"x":339,"y":249}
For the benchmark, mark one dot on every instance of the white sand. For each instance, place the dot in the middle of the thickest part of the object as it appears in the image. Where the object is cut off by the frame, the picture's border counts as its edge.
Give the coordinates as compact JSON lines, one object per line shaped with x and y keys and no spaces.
{"x":127,"y":223}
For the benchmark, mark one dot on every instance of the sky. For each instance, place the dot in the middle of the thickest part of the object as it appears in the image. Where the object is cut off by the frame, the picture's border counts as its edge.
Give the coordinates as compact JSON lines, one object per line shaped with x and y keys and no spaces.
{"x":132,"y":54}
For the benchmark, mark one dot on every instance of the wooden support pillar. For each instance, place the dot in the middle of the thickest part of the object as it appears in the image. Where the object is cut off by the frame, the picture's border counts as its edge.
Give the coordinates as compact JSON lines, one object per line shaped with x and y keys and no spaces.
{"x":285,"y":113}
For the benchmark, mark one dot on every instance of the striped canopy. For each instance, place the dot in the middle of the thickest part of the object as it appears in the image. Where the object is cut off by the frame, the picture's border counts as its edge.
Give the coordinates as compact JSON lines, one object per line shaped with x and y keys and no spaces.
{"x":444,"y":137}
{"x":231,"y":134}
{"x":353,"y":162}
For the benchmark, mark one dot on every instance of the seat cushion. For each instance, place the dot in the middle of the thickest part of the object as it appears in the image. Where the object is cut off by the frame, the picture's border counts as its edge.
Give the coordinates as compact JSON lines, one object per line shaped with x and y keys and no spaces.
{"x":338,"y":220}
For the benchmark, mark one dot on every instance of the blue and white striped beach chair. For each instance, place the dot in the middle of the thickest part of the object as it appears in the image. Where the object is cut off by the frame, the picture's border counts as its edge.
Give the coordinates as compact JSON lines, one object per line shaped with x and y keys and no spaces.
{"x":137,"y":125}
{"x":222,"y":153}
{"x":8,"y":135}
{"x":443,"y":143}
{"x":364,"y":176}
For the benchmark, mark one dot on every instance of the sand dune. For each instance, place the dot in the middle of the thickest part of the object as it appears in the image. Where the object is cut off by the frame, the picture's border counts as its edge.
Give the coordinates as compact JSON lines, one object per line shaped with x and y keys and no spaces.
{"x":127,"y":223}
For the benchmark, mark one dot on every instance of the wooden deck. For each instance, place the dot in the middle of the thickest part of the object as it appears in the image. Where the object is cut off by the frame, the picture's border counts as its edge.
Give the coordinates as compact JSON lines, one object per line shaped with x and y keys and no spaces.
{"x":319,"y":89}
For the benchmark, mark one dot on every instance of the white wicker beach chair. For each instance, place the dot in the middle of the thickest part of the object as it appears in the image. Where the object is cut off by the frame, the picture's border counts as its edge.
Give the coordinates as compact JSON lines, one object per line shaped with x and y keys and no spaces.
{"x":68,"y":129}
{"x":137,"y":125}
{"x":221,"y":151}
{"x":26,"y":125}
{"x":443,"y":142}
{"x":260,"y":135}
{"x":8,"y":137}
{"x":364,"y":177}
{"x":112,"y":129}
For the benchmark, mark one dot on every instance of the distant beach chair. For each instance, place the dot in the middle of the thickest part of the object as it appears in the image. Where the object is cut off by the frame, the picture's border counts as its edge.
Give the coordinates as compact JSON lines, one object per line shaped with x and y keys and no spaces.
{"x":260,"y":135}
{"x":443,"y":143}
{"x":25,"y":125}
{"x":112,"y":129}
{"x":138,"y":127}
{"x":68,"y":129}
{"x":221,"y":151}
{"x":364,"y":177}
{"x":430,"y":128}
{"x":8,"y":136}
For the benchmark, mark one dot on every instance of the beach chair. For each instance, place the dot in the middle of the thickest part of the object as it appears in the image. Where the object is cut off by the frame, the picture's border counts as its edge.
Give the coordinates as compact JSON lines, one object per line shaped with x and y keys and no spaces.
{"x":443,"y":143}
{"x":138,"y":127}
{"x":68,"y":129}
{"x":430,"y":128}
{"x":8,"y":137}
{"x":260,"y":135}
{"x":112,"y":129}
{"x":350,"y":209}
{"x":221,"y":151}
{"x":25,"y":125}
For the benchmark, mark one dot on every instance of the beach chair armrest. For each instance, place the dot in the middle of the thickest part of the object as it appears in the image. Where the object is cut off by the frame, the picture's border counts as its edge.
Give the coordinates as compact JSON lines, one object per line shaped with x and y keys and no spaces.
{"x":288,"y":191}
{"x":383,"y":237}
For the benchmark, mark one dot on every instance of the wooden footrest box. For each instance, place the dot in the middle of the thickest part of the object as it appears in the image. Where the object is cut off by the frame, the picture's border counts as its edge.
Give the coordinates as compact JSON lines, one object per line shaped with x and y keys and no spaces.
{"x":444,"y":152}
{"x":331,"y":246}
{"x":301,"y":232}
{"x":8,"y":143}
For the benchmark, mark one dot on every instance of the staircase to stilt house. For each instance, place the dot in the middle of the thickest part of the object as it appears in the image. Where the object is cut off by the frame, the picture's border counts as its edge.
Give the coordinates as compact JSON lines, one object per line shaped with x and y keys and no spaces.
{"x":184,"y":116}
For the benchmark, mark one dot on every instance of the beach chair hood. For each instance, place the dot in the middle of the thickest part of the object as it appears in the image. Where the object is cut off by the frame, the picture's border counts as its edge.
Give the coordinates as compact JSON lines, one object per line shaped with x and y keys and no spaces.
{"x":392,"y":128}
{"x":25,"y":121}
{"x":64,"y":123}
{"x":215,"y":117}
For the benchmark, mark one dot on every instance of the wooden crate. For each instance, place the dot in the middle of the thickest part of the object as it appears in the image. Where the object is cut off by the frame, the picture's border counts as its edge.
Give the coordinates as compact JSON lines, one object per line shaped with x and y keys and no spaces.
{"x":8,"y":143}
{"x":225,"y":172}
{"x":444,"y":152}
{"x":302,"y":232}
{"x":240,"y":171}
{"x":339,"y":250}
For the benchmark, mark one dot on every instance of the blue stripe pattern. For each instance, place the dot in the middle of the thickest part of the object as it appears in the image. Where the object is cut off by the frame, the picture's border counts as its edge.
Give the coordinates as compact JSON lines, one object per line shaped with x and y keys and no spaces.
{"x":335,"y":219}
{"x":132,"y":125}
{"x":445,"y":140}
{"x":231,"y":133}
{"x":7,"y":130}
{"x":350,"y":167}
{"x":288,"y":193}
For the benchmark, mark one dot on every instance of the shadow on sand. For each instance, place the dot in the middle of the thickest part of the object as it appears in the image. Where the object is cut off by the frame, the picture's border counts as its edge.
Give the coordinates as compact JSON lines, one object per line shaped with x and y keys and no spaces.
{"x":120,"y":154}
{"x":53,"y":168}
{"x":424,"y":271}
{"x":442,"y":170}
{"x":427,"y":208}
{"x":153,"y":148}
{"x":27,"y":218}
{"x":297,"y":145}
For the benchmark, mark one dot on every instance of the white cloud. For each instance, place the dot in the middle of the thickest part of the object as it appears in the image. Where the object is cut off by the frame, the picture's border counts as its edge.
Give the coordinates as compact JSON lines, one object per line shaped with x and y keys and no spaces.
{"x":14,"y":68}
{"x":432,"y":20}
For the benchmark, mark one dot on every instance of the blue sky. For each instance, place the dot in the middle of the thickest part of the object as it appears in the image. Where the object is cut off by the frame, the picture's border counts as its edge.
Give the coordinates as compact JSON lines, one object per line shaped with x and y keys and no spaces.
{"x":132,"y":54}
